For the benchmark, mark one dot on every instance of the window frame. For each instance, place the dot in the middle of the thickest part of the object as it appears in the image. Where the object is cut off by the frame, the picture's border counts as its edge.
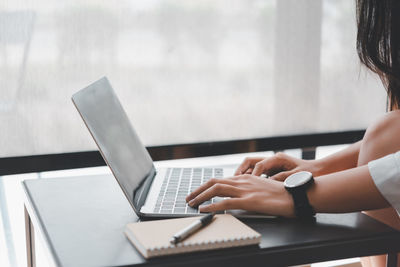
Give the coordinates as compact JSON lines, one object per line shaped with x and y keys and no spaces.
{"x":83,"y":159}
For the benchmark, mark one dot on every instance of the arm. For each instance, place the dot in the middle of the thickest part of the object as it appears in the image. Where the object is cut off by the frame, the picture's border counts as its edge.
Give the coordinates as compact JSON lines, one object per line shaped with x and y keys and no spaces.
{"x":342,"y":160}
{"x":281,"y":165}
{"x":345,"y":191}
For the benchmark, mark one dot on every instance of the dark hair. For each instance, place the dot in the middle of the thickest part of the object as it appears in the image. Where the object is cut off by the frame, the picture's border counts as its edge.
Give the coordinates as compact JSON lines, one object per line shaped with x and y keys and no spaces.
{"x":378,"y":43}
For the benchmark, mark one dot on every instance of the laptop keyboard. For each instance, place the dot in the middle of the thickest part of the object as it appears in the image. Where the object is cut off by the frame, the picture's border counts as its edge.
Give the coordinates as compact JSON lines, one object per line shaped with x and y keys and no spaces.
{"x":178,"y":183}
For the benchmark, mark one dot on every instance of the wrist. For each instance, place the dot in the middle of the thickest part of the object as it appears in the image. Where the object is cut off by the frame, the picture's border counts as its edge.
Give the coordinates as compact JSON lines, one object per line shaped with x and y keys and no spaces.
{"x":312,"y":196}
{"x":297,"y":185}
{"x":317,"y":166}
{"x":288,"y":204}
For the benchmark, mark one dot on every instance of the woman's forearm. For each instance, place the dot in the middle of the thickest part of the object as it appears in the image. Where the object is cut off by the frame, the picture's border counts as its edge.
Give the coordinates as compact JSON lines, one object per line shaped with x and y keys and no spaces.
{"x":346,"y":191}
{"x":342,"y":160}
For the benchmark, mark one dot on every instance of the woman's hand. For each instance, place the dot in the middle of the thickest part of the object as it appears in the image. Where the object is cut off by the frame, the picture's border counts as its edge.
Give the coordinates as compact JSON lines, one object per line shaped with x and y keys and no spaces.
{"x":246,"y":192}
{"x":278,"y":167}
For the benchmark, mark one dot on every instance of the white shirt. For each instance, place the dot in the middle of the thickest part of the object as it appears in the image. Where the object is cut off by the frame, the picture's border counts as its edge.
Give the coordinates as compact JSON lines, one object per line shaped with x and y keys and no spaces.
{"x":385,"y":173}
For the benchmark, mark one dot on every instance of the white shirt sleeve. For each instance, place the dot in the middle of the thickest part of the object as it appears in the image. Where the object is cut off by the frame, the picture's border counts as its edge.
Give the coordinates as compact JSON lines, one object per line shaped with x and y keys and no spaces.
{"x":385,"y":173}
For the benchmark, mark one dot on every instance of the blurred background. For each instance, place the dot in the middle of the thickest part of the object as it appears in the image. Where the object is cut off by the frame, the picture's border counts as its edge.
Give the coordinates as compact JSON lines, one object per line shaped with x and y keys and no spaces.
{"x":185,"y":71}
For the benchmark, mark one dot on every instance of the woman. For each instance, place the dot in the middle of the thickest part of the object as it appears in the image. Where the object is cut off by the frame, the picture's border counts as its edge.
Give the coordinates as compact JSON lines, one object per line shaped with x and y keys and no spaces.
{"x":358,"y":178}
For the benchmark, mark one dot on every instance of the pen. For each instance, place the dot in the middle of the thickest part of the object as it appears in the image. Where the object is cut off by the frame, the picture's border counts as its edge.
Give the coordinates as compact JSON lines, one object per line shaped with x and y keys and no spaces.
{"x":192,"y":228}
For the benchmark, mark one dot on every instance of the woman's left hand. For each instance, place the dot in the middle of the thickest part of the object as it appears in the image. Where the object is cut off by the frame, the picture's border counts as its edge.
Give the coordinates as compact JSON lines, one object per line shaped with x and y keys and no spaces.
{"x":246,"y":192}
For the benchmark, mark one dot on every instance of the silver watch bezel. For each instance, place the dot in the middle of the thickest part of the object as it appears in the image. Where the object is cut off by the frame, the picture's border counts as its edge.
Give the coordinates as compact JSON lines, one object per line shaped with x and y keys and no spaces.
{"x":289,"y":183}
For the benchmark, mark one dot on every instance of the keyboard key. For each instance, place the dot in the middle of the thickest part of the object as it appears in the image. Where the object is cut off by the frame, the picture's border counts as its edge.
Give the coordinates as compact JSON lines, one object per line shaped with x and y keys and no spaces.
{"x":166,"y":211}
{"x":171,"y":189}
{"x":179,"y":210}
{"x":178,"y":183}
{"x":217,"y":199}
{"x":191,"y":210}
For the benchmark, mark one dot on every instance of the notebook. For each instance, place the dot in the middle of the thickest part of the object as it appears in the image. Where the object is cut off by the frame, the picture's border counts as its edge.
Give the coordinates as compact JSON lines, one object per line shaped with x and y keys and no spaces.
{"x":152,"y":238}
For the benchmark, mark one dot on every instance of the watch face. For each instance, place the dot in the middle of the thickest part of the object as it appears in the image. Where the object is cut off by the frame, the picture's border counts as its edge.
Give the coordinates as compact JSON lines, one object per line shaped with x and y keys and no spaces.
{"x":298,"y":179}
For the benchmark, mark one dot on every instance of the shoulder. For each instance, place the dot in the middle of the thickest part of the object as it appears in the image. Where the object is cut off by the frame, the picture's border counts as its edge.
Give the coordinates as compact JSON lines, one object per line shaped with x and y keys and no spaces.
{"x":384,"y":133}
{"x":386,"y":124}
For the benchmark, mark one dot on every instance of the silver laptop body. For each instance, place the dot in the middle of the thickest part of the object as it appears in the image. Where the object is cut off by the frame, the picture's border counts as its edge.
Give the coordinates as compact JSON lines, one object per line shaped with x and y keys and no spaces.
{"x":151,"y":192}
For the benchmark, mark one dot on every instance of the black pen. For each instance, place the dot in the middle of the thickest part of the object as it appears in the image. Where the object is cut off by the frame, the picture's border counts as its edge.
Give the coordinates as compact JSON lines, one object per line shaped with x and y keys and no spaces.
{"x":192,"y":228}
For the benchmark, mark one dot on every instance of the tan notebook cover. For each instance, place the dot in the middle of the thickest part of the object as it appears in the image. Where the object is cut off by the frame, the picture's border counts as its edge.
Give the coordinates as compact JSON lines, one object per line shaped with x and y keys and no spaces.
{"x":151,"y":238}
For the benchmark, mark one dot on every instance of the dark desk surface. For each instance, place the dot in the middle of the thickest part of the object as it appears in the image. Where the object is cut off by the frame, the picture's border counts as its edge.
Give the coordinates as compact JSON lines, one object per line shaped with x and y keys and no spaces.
{"x":81,"y":220}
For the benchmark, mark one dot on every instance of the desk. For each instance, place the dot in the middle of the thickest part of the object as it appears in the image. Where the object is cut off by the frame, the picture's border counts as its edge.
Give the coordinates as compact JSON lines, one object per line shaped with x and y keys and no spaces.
{"x":81,"y":220}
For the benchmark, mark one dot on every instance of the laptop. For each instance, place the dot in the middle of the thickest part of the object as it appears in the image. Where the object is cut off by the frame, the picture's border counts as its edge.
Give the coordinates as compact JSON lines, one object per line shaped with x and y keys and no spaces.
{"x":151,"y":192}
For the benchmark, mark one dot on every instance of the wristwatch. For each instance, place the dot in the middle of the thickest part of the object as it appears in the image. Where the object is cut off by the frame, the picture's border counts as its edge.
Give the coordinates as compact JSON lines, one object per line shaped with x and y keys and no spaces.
{"x":297,"y":185}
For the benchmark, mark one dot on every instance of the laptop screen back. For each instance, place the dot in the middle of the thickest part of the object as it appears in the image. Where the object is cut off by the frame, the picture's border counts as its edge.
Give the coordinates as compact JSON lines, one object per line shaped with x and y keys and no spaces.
{"x":118,"y":142}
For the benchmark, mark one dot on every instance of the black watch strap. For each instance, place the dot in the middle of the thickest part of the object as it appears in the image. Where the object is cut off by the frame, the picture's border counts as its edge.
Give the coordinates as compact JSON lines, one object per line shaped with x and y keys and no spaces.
{"x":302,"y":207}
{"x":298,"y":184}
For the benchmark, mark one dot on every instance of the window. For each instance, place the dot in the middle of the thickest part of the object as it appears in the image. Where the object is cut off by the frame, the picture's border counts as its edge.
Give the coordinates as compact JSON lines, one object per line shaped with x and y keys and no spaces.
{"x":186,"y":71}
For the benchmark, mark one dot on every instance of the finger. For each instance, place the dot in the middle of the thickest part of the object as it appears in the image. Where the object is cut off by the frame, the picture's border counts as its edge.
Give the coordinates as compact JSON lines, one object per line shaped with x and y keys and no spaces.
{"x":259,"y":168}
{"x":238,"y":171}
{"x":271,"y":165}
{"x":282,"y":176}
{"x":239,"y":178}
{"x":207,"y":185}
{"x":227,"y":204}
{"x":247,"y":163}
{"x":220,"y":190}
{"x":243,"y":166}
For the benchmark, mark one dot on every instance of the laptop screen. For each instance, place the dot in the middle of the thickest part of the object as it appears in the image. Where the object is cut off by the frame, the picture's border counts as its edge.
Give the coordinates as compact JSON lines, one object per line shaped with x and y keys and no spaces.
{"x":118,"y":142}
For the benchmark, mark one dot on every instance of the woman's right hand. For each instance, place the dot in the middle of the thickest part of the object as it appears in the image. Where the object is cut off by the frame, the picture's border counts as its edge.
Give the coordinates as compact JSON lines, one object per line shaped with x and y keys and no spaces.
{"x":278,"y":167}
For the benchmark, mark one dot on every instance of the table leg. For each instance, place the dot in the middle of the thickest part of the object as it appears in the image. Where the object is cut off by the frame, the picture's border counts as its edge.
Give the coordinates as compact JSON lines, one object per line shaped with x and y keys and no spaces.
{"x":30,"y":240}
{"x":391,"y":260}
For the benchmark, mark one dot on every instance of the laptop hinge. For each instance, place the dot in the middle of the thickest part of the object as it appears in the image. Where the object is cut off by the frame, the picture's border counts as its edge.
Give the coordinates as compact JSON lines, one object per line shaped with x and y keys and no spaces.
{"x":140,"y":194}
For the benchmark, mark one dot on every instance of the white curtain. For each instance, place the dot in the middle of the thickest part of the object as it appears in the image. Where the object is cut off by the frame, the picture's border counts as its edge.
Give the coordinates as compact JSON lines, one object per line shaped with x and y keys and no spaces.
{"x":185,"y":71}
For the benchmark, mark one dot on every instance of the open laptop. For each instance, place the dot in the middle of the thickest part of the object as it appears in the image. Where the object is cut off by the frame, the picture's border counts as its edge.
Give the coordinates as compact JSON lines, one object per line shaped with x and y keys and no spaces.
{"x":151,"y":192}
